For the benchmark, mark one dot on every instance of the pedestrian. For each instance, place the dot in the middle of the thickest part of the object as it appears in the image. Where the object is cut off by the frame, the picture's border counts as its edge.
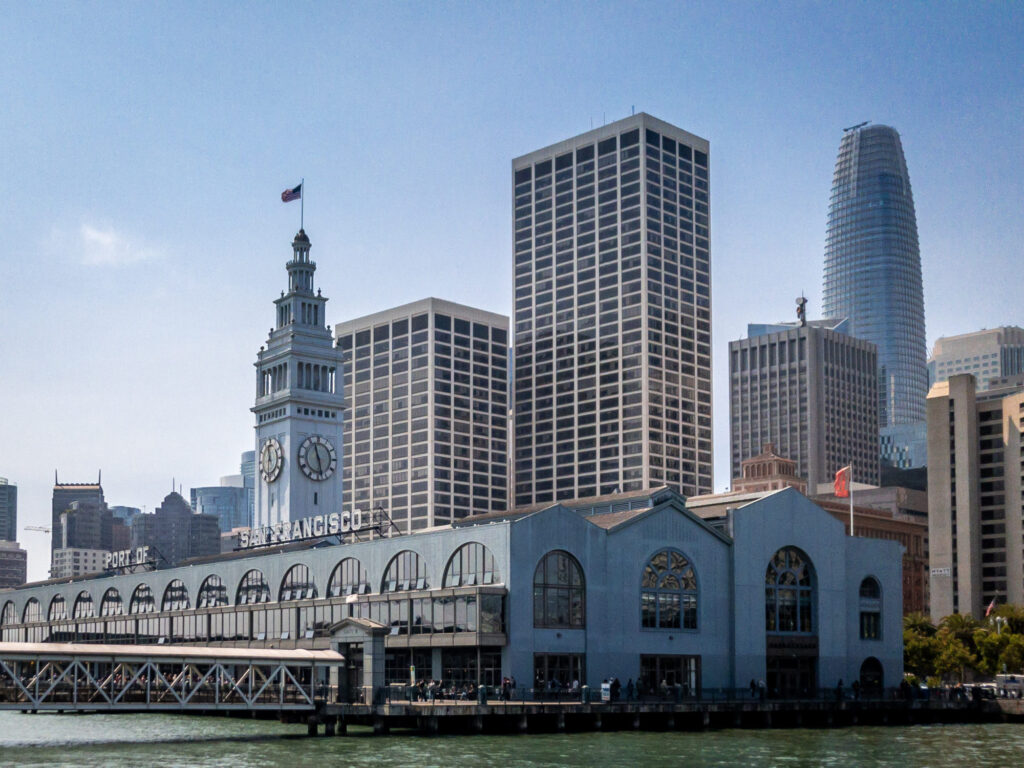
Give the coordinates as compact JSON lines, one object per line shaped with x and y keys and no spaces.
{"x":630,"y":690}
{"x":839,"y":690}
{"x":753,"y":688}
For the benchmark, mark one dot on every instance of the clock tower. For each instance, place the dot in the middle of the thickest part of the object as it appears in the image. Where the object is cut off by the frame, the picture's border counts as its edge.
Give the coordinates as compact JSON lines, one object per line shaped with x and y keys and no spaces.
{"x":299,"y":404}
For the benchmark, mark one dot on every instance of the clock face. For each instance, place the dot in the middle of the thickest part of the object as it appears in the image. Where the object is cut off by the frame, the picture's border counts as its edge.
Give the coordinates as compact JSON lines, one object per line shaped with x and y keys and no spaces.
{"x":317,"y":458}
{"x":271,"y":460}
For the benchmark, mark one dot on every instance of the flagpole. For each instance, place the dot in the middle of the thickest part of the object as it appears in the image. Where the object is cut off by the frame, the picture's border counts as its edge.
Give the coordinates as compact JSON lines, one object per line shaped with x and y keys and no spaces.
{"x":851,"y":498}
{"x":302,"y":203}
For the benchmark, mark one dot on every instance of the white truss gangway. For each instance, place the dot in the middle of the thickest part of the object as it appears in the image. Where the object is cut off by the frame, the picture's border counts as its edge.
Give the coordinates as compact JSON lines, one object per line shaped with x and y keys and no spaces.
{"x":107,"y":678}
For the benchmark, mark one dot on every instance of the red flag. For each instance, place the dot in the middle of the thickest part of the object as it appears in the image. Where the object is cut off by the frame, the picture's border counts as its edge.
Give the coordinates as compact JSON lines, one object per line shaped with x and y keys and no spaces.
{"x":991,"y":607}
{"x":842,"y":484}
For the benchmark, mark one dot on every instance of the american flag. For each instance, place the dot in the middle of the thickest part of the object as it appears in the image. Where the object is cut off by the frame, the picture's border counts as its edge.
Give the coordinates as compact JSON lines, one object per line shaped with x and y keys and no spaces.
{"x":291,"y":194}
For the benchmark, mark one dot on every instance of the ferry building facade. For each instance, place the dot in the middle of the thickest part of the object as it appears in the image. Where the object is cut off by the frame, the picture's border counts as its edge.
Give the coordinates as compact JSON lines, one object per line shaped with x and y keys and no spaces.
{"x":631,"y":586}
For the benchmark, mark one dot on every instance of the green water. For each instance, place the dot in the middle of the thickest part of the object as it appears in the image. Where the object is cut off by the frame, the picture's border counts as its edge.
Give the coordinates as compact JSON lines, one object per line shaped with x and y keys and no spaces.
{"x":113,"y":741}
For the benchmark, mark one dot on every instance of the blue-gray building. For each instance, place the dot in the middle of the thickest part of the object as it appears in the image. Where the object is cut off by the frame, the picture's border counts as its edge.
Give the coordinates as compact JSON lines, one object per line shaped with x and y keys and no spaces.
{"x":632,"y":586}
{"x":873,"y":266}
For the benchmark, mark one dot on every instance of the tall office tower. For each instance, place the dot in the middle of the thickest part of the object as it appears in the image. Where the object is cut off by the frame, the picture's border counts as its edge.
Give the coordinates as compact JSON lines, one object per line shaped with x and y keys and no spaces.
{"x":989,"y":354}
{"x":299,"y":403}
{"x":975,"y":505}
{"x":63,"y":495}
{"x":247,"y":468}
{"x":427,"y":436}
{"x":811,"y":391}
{"x":612,"y":314}
{"x":175,"y":532}
{"x":873,"y":266}
{"x":8,"y":510}
{"x":228,"y":502}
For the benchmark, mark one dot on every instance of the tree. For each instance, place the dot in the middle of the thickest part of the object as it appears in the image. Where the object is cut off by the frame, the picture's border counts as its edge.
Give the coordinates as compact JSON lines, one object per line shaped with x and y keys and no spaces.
{"x":990,"y":647}
{"x":954,"y":658}
{"x":919,"y":624}
{"x":1012,"y":657}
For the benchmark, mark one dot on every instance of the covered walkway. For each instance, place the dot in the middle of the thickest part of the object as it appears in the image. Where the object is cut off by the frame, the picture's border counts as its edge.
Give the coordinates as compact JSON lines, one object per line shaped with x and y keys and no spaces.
{"x":66,"y":676}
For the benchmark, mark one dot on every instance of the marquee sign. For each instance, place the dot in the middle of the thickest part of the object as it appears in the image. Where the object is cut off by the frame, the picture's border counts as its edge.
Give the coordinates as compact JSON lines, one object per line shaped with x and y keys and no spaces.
{"x":308,"y":528}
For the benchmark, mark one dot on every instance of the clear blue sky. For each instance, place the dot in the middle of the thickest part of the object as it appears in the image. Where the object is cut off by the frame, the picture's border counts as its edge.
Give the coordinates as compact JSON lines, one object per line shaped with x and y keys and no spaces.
{"x":145,"y":146}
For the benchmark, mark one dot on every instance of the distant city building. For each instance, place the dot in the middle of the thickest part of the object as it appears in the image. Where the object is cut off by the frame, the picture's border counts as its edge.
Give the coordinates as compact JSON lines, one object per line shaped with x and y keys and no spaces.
{"x":248,"y":470}
{"x":175,"y":532}
{"x":873,"y":266}
{"x":901,"y":503}
{"x":426,"y":437}
{"x":612,"y":314}
{"x":975,"y":505}
{"x":229,"y":504}
{"x":904,"y":446}
{"x":69,"y":562}
{"x":8,"y":510}
{"x":768,"y":472}
{"x":809,"y":390}
{"x":63,"y":496}
{"x":990,"y":354}
{"x":125,"y":513}
{"x":13,"y":565}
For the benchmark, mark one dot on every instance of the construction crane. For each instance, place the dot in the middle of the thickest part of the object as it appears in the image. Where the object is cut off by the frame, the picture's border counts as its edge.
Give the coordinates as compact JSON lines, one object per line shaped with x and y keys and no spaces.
{"x":40,"y":528}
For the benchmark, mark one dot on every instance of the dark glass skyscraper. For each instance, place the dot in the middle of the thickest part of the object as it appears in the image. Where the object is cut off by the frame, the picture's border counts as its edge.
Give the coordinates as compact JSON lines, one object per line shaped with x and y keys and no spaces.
{"x":873,"y":266}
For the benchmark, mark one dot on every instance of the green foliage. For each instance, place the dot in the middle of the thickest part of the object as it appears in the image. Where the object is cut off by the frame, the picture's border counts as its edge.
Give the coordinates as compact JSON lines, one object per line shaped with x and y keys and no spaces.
{"x":960,"y":643}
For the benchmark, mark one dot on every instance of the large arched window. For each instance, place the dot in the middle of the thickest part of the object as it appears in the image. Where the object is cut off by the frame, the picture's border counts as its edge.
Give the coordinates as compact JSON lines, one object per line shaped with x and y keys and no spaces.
{"x":405,"y":571}
{"x":789,"y":592}
{"x":870,"y":609}
{"x":33,"y":611}
{"x":111,"y":604}
{"x":58,"y":609}
{"x":84,"y":609}
{"x":297,"y":584}
{"x":668,"y":592}
{"x":471,"y":564}
{"x":252,"y":589}
{"x":175,"y":597}
{"x":348,"y":578}
{"x":9,"y":615}
{"x":212,"y":593}
{"x":142,"y":600}
{"x":559,"y":592}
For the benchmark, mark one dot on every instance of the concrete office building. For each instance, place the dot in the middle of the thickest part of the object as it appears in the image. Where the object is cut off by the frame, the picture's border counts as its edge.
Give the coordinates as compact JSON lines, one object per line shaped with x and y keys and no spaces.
{"x":175,"y":533}
{"x":8,"y":510}
{"x":13,"y":565}
{"x":810,"y":390}
{"x":71,"y":562}
{"x":63,"y":496}
{"x":612,"y":329}
{"x":975,"y":504}
{"x":986,"y":355}
{"x":426,"y":437}
{"x":632,"y":586}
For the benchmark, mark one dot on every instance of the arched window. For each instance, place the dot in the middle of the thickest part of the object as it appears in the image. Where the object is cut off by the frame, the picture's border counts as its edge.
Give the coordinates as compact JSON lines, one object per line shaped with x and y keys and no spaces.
{"x":175,"y":597}
{"x":84,"y":608}
{"x":871,"y":675}
{"x":9,"y":614}
{"x":111,"y":604}
{"x":559,"y":592}
{"x":348,"y":578}
{"x":142,"y":600}
{"x":789,"y":592}
{"x":252,"y":589}
{"x":58,"y":609}
{"x":405,"y":571}
{"x":870,"y":609}
{"x":33,"y":611}
{"x":668,"y":592}
{"x":212,"y":593}
{"x":471,"y":564}
{"x":297,"y":584}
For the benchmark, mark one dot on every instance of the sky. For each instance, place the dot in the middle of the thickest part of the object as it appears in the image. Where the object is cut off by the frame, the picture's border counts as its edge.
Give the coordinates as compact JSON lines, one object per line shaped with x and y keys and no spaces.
{"x":144,"y":147}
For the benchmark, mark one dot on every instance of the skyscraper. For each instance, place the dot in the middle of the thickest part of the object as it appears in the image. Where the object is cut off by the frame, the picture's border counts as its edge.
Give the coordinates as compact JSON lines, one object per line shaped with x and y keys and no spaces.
{"x":63,"y":496}
{"x":612,"y":314}
{"x":427,"y":434}
{"x":873,"y":266}
{"x":811,"y":390}
{"x":8,"y":510}
{"x":994,"y":353}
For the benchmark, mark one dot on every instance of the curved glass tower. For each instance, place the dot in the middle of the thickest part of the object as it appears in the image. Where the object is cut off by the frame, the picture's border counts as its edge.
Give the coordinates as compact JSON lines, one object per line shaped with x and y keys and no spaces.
{"x":873,"y":266}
